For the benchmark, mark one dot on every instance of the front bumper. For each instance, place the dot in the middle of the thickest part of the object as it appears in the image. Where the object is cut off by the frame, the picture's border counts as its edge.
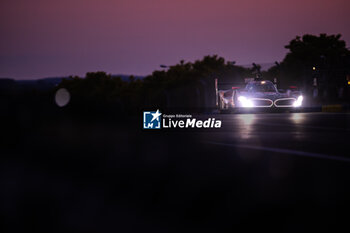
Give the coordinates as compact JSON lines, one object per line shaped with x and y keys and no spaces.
{"x":270,"y":103}
{"x":286,"y":104}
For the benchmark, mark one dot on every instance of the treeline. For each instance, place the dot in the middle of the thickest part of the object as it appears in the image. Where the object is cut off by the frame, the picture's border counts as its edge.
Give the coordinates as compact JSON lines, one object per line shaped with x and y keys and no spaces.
{"x":319,"y":63}
{"x":185,"y":85}
{"x":312,"y":62}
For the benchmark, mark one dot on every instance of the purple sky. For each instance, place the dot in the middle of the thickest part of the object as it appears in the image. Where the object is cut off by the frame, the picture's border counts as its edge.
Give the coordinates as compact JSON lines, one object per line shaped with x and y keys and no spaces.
{"x":42,"y":38}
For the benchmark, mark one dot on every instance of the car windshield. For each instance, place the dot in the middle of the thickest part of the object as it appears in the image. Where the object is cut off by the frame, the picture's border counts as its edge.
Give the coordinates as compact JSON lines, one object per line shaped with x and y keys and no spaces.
{"x":261,"y":87}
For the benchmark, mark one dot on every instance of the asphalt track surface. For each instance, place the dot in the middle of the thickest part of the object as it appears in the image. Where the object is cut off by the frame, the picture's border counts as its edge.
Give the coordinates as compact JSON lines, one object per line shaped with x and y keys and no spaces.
{"x":282,"y":172}
{"x":310,"y":135}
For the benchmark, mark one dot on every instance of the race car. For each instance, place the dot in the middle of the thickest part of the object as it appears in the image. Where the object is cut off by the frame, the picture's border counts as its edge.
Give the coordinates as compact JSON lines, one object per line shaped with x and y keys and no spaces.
{"x":259,"y":94}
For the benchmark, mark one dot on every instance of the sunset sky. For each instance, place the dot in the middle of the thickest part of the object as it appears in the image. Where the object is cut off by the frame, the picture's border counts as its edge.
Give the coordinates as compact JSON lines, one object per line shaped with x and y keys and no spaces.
{"x":44,"y":38}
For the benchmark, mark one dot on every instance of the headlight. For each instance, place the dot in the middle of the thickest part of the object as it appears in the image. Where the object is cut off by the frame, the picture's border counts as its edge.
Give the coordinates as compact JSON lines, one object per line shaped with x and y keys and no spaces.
{"x":245,"y":102}
{"x":298,"y":102}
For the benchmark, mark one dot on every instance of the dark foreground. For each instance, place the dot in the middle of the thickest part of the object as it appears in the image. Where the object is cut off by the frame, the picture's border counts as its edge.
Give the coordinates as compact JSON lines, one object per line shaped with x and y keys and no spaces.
{"x":275,"y":172}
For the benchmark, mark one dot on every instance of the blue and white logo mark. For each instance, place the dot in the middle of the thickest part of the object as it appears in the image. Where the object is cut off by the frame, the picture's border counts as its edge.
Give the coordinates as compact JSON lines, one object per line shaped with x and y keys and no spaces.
{"x":151,"y":120}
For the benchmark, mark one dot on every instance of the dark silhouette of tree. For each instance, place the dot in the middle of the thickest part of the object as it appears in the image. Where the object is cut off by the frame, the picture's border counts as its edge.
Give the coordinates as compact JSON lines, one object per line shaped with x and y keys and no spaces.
{"x":324,"y":57}
{"x":99,"y":90}
{"x":185,"y":84}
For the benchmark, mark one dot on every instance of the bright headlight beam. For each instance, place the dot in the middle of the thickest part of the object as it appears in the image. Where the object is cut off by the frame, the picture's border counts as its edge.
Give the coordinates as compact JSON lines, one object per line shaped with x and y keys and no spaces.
{"x":246,"y":103}
{"x":299,"y":101}
{"x":242,"y":98}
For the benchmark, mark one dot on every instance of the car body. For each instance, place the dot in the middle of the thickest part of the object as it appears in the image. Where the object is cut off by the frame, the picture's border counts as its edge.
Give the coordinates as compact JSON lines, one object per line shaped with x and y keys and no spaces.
{"x":260,"y":94}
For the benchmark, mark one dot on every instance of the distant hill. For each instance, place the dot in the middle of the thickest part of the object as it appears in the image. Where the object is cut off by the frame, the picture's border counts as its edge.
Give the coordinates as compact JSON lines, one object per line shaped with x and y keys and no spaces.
{"x":46,"y":83}
{"x":39,"y":84}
